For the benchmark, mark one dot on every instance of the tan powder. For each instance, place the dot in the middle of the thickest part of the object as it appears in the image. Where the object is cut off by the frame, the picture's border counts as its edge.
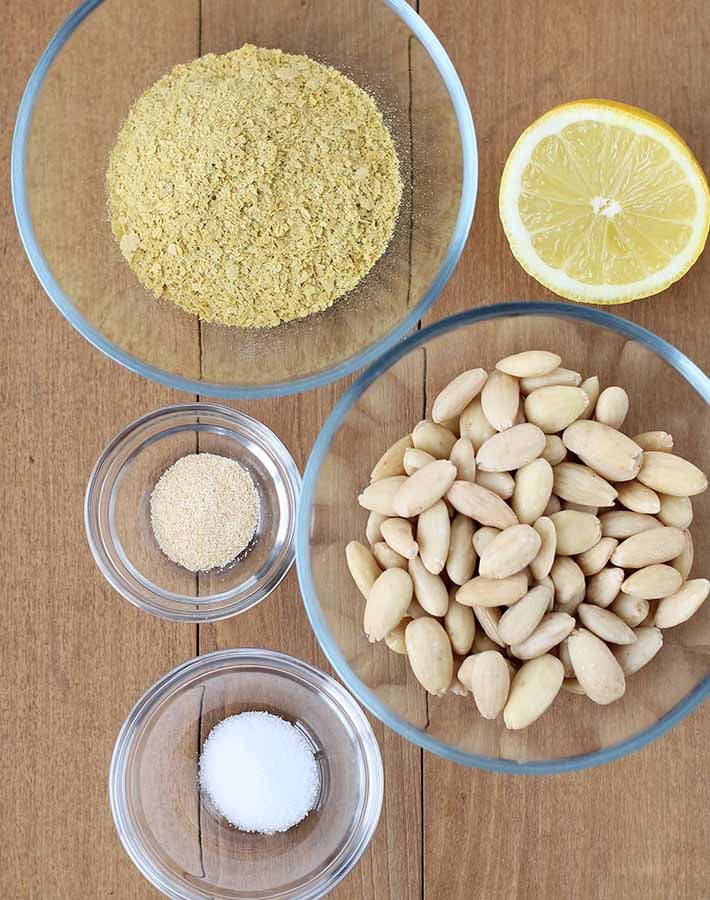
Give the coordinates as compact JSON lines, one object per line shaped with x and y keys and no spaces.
{"x":254,"y":187}
{"x":204,"y":511}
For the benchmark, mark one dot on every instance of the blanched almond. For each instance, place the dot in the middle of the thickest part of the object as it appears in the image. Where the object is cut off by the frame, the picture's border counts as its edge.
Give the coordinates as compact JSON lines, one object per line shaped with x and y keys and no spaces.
{"x":569,"y":584}
{"x":392,"y":460}
{"x":460,"y":625}
{"x":675,"y":511}
{"x":655,"y":440}
{"x":398,"y":534}
{"x":416,"y":459}
{"x":596,"y":558}
{"x":580,"y":484}
{"x":657,"y":545}
{"x":679,"y":607}
{"x":511,"y":449}
{"x":433,"y":536}
{"x":534,"y":687}
{"x":554,"y":450}
{"x":590,"y":386}
{"x":434,"y":438}
{"x":638,"y":498}
{"x":509,"y":552}
{"x":461,"y":559}
{"x":373,"y":531}
{"x":430,"y":656}
{"x":553,"y":628}
{"x":488,"y":618}
{"x":500,"y":483}
{"x":474,"y":425}
{"x":482,"y":591}
{"x":684,"y":561}
{"x":489,"y":679}
{"x":557,"y":376}
{"x":529,"y":363}
{"x":395,"y":640}
{"x":612,"y":407}
{"x":429,"y":590}
{"x":457,"y":394}
{"x":387,"y":603}
{"x":465,"y":669}
{"x":621,"y":524}
{"x":610,"y":453}
{"x":480,"y":504}
{"x":554,"y":408}
{"x":542,"y":563}
{"x":595,"y":667}
{"x":576,"y":531}
{"x":633,"y":657}
{"x":379,"y":496}
{"x":463,"y":456}
{"x":362,"y":566}
{"x":564,"y":658}
{"x":387,"y":558}
{"x":632,"y":610}
{"x":533,"y":487}
{"x":671,"y":474}
{"x":603,"y":588}
{"x":483,"y":537}
{"x":605,"y":624}
{"x":423,"y":489}
{"x":499,"y":400}
{"x":519,"y":621}
{"x":653,"y":582}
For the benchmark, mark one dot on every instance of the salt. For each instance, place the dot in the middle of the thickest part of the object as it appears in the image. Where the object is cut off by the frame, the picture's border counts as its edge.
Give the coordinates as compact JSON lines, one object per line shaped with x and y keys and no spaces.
{"x":260,"y":772}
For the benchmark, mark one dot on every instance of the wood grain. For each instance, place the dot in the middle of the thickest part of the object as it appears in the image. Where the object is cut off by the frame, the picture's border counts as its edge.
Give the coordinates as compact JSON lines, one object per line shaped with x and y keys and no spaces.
{"x":76,"y":657}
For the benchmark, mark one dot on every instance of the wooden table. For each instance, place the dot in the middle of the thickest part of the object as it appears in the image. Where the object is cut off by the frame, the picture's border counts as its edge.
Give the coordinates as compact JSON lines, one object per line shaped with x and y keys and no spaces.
{"x":75,"y":657}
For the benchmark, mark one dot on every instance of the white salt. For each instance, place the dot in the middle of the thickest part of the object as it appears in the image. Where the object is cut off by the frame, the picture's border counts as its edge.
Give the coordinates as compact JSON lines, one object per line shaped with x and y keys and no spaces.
{"x":260,"y":772}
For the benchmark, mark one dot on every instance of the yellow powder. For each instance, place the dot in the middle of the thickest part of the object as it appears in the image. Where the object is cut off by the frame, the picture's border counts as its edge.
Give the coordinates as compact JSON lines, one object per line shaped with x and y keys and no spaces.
{"x":254,"y":187}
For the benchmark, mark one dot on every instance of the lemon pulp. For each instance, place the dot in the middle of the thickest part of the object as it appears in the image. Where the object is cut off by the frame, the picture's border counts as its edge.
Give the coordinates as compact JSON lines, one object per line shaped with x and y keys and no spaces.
{"x":603,"y":202}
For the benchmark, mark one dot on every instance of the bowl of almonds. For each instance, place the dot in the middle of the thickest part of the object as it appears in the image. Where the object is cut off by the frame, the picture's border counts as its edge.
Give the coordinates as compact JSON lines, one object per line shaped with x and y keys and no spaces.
{"x":500,"y":538}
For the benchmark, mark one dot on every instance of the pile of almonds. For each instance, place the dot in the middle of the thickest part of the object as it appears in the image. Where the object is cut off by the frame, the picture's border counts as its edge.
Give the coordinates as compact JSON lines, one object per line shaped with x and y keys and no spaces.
{"x":521,"y":543}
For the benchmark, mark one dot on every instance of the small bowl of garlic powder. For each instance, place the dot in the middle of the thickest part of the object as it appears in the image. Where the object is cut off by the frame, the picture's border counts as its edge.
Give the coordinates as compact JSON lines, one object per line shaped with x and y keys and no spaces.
{"x":190,"y":512}
{"x":246,"y":773}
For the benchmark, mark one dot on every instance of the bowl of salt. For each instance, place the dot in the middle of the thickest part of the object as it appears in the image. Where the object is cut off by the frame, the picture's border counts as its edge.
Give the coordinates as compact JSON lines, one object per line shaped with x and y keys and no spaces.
{"x":246,"y":773}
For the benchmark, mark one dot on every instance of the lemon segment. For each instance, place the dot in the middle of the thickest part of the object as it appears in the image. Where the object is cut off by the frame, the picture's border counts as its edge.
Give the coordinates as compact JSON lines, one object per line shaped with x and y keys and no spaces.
{"x":604,"y":203}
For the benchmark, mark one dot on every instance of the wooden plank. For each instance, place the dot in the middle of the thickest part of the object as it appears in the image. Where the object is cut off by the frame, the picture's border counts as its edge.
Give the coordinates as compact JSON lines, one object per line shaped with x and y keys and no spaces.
{"x":391,"y":867}
{"x":75,"y":656}
{"x":593,"y":834}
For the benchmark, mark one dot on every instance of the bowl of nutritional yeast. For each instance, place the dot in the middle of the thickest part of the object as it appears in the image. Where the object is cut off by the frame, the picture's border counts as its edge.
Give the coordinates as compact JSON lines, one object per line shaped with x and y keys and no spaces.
{"x":510,"y":570}
{"x":243,"y":205}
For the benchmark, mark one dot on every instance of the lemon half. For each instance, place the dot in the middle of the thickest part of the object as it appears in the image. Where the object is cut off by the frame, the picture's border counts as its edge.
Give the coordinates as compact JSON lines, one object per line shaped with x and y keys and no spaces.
{"x":603,"y":202}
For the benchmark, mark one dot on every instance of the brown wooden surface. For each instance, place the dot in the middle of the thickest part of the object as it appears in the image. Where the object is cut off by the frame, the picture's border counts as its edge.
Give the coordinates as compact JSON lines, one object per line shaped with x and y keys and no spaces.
{"x":75,"y":657}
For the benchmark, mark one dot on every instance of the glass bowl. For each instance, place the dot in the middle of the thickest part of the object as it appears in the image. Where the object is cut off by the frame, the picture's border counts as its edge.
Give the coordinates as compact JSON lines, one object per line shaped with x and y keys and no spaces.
{"x":107,"y":54}
{"x":667,"y":392}
{"x":173,"y":833}
{"x":117,"y":512}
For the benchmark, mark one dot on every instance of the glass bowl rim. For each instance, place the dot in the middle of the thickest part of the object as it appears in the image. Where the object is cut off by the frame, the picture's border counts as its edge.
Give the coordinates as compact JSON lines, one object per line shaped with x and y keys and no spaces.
{"x":94,"y":336}
{"x":207,"y":612}
{"x":695,"y":377}
{"x":292,"y":668}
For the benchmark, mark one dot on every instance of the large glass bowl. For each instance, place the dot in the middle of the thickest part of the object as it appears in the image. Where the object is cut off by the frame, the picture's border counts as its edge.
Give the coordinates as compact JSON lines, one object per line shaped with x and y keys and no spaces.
{"x":667,"y":392}
{"x":171,"y":829}
{"x":108,"y":53}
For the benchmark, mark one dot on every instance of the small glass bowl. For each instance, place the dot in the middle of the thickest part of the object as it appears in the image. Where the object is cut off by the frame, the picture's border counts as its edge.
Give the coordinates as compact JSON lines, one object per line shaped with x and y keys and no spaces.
{"x":117,"y":512}
{"x":173,"y":833}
